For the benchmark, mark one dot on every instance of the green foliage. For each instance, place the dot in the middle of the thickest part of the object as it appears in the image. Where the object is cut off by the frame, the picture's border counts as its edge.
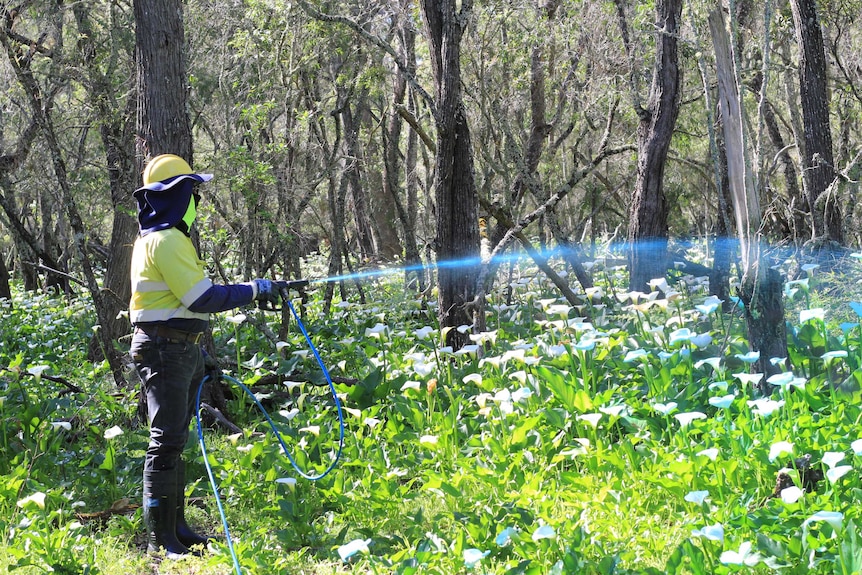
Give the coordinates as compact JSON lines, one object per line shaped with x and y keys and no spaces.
{"x":631,"y":441}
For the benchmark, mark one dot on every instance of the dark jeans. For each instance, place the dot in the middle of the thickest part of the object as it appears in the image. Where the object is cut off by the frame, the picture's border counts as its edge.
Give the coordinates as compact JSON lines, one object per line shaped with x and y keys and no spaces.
{"x":170,"y":372}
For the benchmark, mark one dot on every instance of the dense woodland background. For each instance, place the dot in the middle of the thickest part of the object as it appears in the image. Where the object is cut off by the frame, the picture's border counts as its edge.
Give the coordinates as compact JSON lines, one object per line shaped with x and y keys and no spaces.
{"x":397,"y":131}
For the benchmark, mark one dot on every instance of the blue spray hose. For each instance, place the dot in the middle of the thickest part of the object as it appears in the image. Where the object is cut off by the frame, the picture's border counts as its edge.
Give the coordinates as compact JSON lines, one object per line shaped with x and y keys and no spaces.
{"x":274,"y":430}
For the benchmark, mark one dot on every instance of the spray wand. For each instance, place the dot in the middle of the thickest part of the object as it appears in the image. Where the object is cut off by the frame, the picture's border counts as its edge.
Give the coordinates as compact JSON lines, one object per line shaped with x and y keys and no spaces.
{"x":284,"y":289}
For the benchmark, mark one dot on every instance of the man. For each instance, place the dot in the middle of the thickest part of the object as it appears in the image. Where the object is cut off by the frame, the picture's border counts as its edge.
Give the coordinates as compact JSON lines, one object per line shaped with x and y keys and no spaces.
{"x":170,"y":306}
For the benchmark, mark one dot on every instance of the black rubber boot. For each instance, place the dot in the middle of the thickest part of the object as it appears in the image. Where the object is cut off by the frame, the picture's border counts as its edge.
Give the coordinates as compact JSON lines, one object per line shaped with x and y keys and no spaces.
{"x":185,"y":534}
{"x":160,"y":519}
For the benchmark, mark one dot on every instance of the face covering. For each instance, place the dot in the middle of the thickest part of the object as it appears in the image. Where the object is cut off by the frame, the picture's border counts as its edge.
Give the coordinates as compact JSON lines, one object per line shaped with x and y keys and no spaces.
{"x":191,"y":212}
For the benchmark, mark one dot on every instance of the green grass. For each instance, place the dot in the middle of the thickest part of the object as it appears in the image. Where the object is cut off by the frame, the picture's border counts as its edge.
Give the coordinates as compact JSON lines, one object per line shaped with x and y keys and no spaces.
{"x":630,"y":443}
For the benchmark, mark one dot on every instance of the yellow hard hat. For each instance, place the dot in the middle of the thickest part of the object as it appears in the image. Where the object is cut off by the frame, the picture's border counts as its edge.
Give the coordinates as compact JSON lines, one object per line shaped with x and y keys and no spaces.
{"x":167,"y":166}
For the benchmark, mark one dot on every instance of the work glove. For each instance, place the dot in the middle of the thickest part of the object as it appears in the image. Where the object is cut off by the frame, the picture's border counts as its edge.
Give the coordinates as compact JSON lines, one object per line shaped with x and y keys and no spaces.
{"x":266,"y":291}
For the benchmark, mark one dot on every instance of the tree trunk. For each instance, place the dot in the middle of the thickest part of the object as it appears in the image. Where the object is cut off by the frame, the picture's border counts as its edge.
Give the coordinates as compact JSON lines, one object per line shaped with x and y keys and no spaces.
{"x":391,"y":202}
{"x":5,"y":290}
{"x":454,"y":183}
{"x":647,"y":235}
{"x":41,"y":106}
{"x":116,"y":128}
{"x":818,"y":162}
{"x":353,"y":175}
{"x":761,"y":286}
{"x":163,"y":122}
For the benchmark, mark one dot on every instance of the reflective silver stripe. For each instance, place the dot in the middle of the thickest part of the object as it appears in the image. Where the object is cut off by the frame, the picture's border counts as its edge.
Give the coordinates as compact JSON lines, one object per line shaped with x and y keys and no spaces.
{"x":145,"y":286}
{"x":148,"y":315}
{"x":196,"y":291}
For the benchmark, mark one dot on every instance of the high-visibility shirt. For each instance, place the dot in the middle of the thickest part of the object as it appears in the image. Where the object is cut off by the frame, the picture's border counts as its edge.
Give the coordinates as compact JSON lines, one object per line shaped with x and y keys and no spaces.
{"x":167,"y":278}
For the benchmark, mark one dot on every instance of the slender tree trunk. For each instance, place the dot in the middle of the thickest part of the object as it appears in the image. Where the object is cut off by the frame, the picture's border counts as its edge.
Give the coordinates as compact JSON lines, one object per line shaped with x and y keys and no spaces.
{"x":5,"y":290}
{"x":116,"y":128}
{"x":454,"y":184}
{"x":353,"y":175}
{"x":392,"y":209}
{"x":647,"y":234}
{"x":818,"y":162}
{"x":41,"y":106}
{"x":761,"y":286}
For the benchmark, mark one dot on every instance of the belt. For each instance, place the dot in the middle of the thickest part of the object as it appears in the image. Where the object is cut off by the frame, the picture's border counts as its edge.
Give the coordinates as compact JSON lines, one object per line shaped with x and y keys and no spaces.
{"x":172,"y":334}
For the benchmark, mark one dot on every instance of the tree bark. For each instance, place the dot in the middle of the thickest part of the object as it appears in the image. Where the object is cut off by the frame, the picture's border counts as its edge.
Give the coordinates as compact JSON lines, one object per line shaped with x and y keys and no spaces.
{"x":5,"y":290}
{"x":163,"y":122}
{"x":818,"y":161}
{"x":761,"y":286}
{"x":454,"y":184}
{"x":116,"y":128}
{"x":647,"y":234}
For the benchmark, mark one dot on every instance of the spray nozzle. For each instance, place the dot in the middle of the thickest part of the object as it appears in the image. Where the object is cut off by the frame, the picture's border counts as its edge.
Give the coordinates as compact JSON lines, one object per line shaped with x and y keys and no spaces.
{"x":285,"y":290}
{"x":286,"y":287}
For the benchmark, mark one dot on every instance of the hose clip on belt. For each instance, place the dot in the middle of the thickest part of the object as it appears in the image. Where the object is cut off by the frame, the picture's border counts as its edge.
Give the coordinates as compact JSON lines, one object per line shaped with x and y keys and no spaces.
{"x":171,"y":334}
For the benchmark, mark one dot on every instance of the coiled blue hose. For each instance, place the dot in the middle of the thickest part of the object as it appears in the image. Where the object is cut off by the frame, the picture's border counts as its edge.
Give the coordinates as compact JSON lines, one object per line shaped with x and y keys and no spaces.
{"x":274,"y":430}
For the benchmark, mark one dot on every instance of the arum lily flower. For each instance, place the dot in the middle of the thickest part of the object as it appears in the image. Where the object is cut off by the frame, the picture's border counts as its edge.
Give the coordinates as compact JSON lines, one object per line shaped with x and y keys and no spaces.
{"x":713,"y":362}
{"x":591,"y":418}
{"x":236,"y":319}
{"x":830,"y":458}
{"x":765,"y":406}
{"x":750,"y":357}
{"x":378,"y":331}
{"x":113,"y":432}
{"x":37,"y":499}
{"x":613,"y":410}
{"x":701,"y":340}
{"x":659,"y":283}
{"x":484,"y":337}
{"x":838,"y":472}
{"x":585,"y":345}
{"x":522,"y":394}
{"x":833,"y":518}
{"x":856,"y":307}
{"x":467,"y":350}
{"x":791,"y":494}
{"x":722,"y":402}
{"x":558,"y":309}
{"x":711,"y":532}
{"x":557,"y":350}
{"x":667,"y":408}
{"x":709,"y":305}
{"x":473,"y":378}
{"x":544,"y":532}
{"x":505,"y":536}
{"x":681,"y":335}
{"x":289,"y":481}
{"x":837,"y":354}
{"x":635,"y":355}
{"x":809,"y":314}
{"x":428,"y":440}
{"x":752,"y":378}
{"x":686,"y":418}
{"x":473,"y":556}
{"x":711,"y":453}
{"x":424,"y":332}
{"x":742,"y":557}
{"x":696,"y":497}
{"x":780,"y":448}
{"x":856,"y":446}
{"x":61,"y":425}
{"x":348,"y":550}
